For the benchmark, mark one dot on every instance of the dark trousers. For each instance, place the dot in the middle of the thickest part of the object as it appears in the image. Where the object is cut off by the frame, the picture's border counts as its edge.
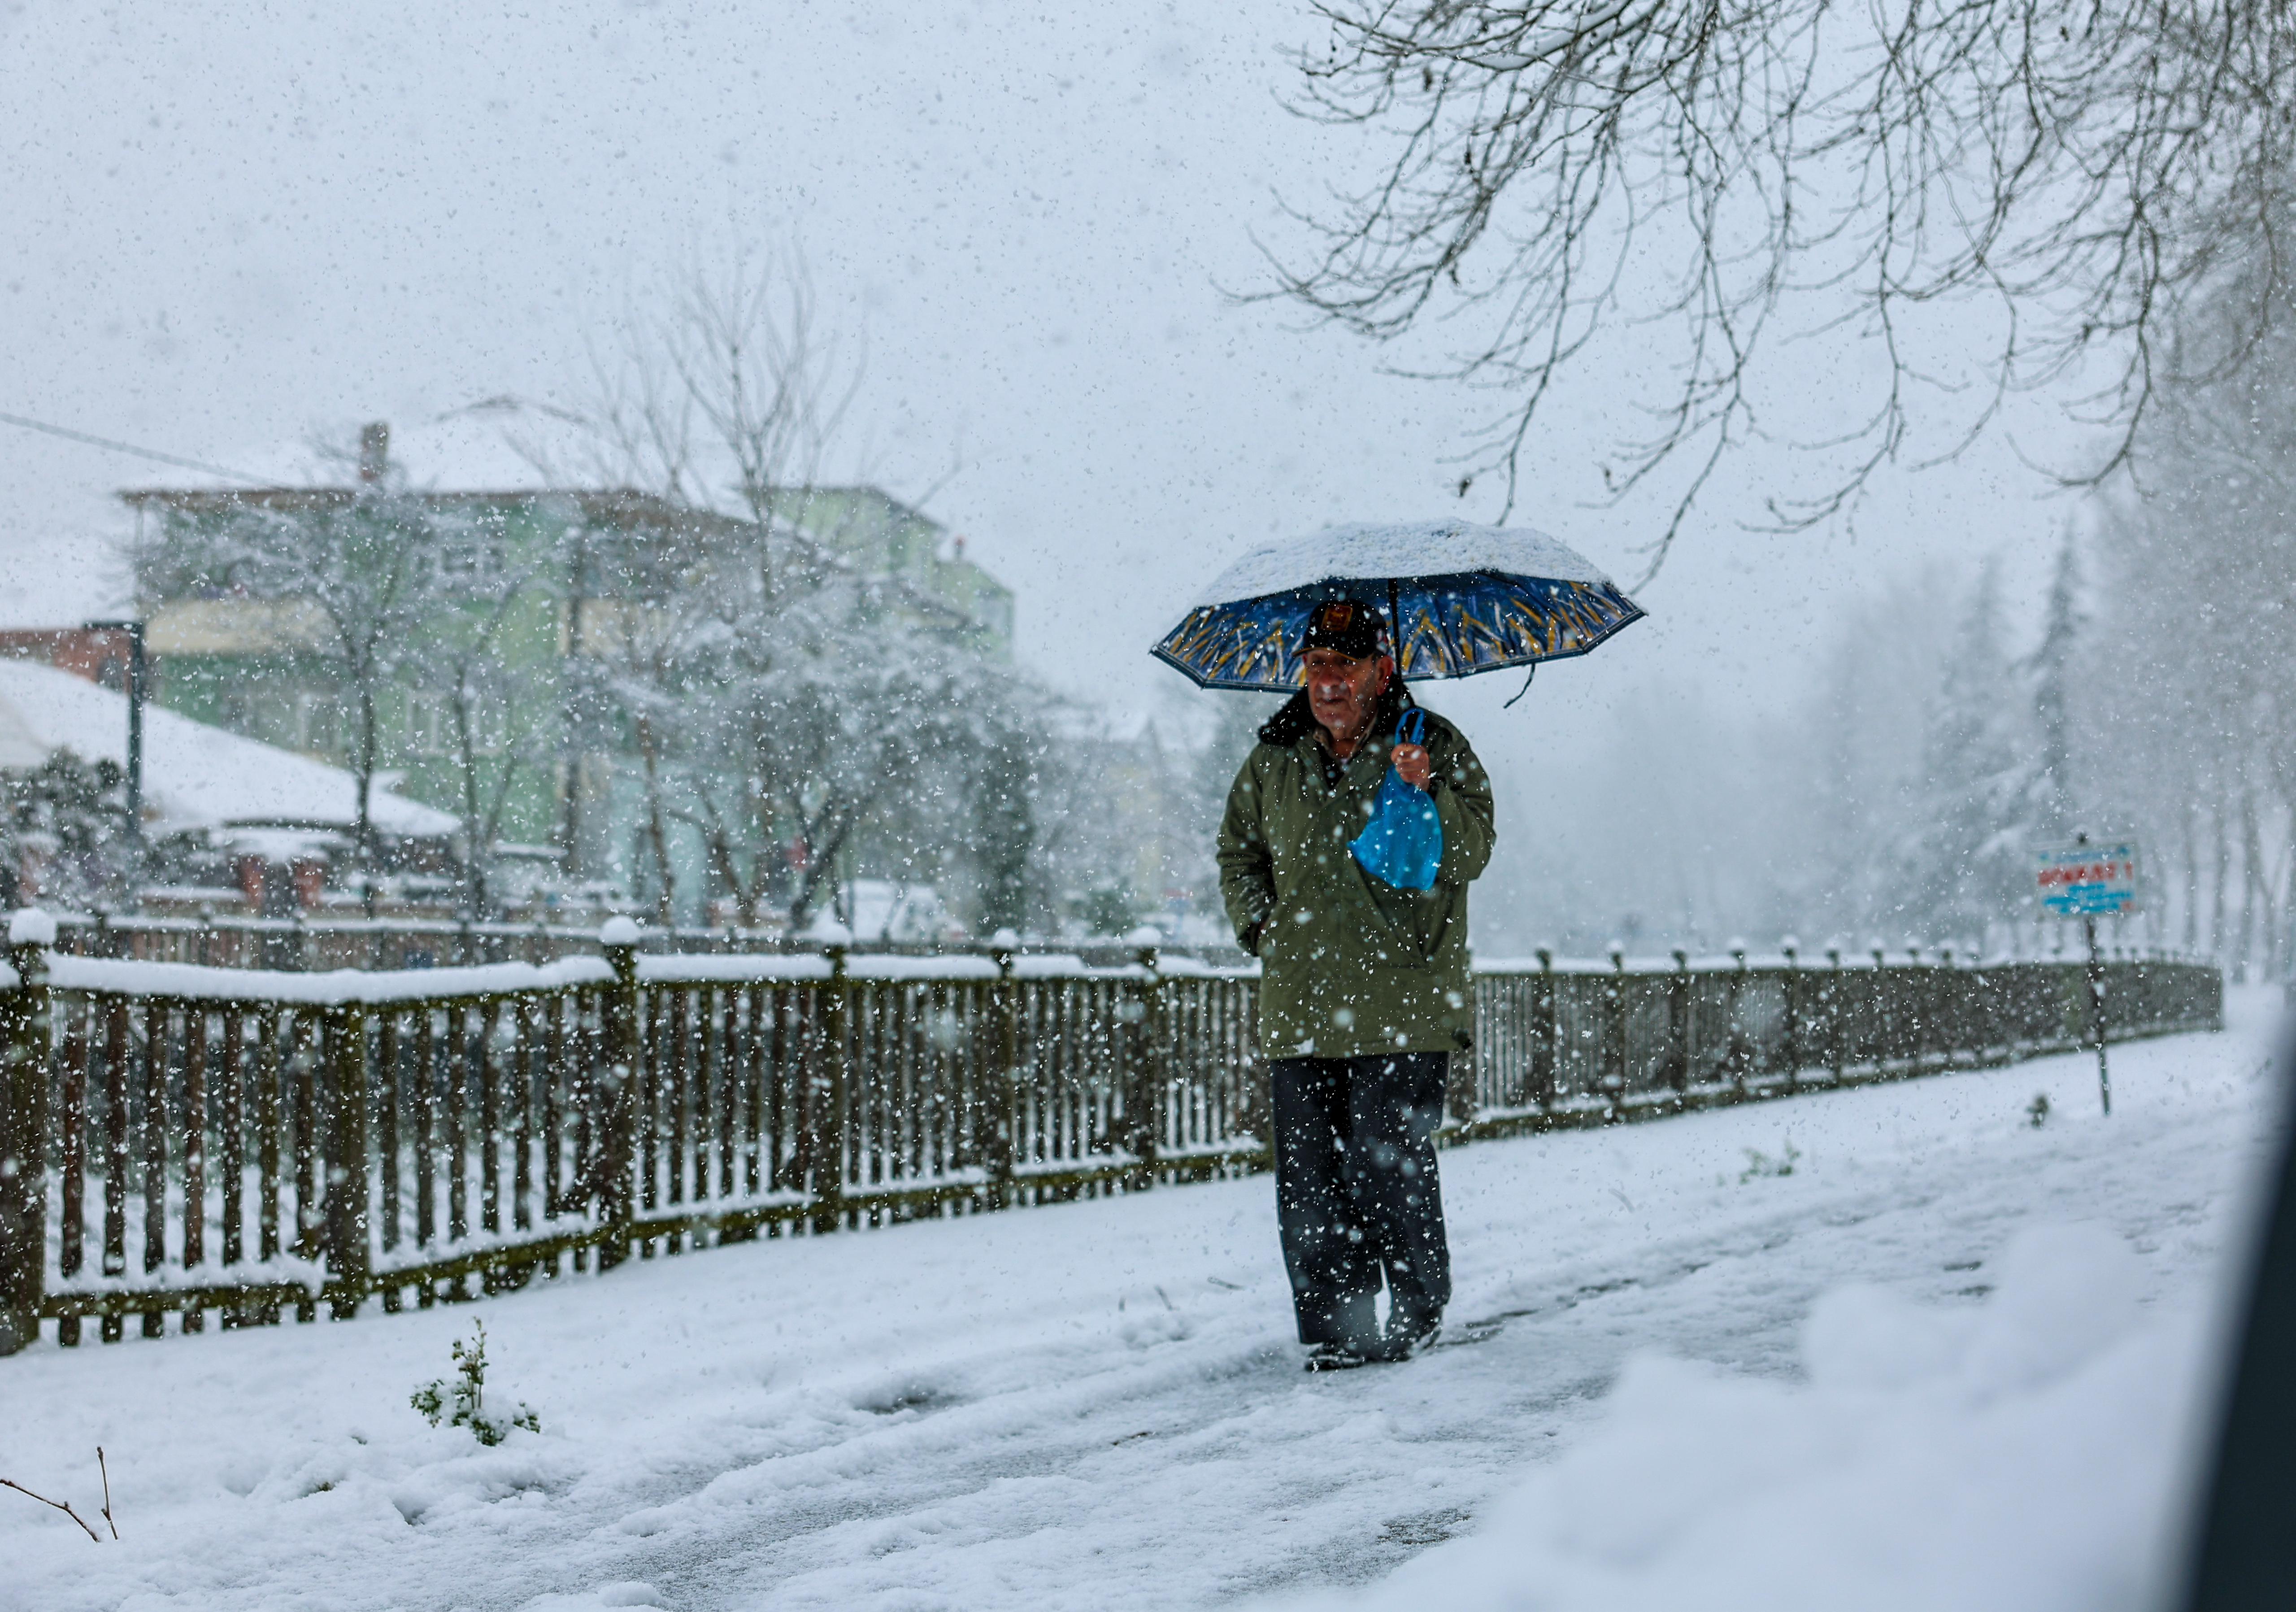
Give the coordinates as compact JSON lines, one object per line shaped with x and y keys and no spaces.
{"x":1355,"y":1191}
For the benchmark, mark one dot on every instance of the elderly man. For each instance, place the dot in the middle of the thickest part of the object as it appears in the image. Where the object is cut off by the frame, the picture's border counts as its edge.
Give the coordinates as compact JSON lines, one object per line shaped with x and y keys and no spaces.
{"x":1364,"y":995}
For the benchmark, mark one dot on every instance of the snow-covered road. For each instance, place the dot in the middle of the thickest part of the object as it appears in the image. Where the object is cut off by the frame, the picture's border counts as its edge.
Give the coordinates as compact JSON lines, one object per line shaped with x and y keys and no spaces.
{"x":1092,"y":1405}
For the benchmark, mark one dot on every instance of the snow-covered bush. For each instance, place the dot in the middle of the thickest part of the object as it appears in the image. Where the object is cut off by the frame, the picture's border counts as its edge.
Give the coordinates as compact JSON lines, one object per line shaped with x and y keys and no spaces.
{"x":63,"y":834}
{"x":1759,"y":1163}
{"x":459,"y":1401}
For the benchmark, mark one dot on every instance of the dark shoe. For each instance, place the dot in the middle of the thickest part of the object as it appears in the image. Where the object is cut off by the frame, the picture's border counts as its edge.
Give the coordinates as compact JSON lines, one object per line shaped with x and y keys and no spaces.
{"x":1412,"y":1336}
{"x":1335,"y":1357}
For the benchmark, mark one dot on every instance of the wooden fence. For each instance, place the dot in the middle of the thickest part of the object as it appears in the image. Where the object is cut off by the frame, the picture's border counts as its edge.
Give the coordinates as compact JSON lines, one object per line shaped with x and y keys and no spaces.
{"x":186,"y":1139}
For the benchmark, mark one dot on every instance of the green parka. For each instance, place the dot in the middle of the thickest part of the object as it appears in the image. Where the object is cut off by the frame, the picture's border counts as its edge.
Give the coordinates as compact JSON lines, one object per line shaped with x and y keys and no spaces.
{"x":1352,"y":965}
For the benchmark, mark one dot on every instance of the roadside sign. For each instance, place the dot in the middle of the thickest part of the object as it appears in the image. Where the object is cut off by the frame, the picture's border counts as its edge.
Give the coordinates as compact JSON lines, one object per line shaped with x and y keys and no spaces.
{"x":2087,"y":881}
{"x":2083,"y":882}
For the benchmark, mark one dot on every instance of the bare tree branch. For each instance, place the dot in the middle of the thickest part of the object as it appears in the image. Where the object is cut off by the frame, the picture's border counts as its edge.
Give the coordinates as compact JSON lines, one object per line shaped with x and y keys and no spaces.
{"x":2092,"y":174}
{"x":7,"y":1483}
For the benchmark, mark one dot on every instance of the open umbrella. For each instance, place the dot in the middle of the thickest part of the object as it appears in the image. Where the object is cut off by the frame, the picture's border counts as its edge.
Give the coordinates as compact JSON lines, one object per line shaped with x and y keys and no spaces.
{"x":1461,"y":598}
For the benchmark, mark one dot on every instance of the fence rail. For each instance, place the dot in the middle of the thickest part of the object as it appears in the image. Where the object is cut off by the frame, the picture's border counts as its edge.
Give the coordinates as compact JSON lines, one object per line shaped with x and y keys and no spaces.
{"x":184,"y":1140}
{"x":303,"y":944}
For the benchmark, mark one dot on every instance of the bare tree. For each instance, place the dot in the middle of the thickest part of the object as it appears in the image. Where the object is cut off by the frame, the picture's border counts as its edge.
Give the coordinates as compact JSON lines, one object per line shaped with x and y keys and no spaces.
{"x":729,"y":397}
{"x":785,"y":705}
{"x":818,"y":708}
{"x":489,"y":709}
{"x":2093,"y":173}
{"x":347,"y":579}
{"x":723,"y":401}
{"x":631,"y":673}
{"x":2192,"y":661}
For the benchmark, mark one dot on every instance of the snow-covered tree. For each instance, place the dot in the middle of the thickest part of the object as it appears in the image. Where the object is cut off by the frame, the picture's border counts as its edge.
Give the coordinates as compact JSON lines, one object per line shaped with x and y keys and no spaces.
{"x":825,"y":716}
{"x":345,"y":579}
{"x":2049,"y":797}
{"x":793,"y":714}
{"x":64,"y":833}
{"x":1969,"y":860}
{"x":2191,"y":666}
{"x":493,"y":712}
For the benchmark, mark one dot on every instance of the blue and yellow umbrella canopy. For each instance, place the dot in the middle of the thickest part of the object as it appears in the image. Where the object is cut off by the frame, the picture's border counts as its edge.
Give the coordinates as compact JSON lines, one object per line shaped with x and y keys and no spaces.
{"x":1469,"y":598}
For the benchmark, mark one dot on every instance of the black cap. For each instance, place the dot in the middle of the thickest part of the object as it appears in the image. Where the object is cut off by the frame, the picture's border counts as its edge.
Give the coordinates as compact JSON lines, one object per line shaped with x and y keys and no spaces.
{"x":1348,"y":626}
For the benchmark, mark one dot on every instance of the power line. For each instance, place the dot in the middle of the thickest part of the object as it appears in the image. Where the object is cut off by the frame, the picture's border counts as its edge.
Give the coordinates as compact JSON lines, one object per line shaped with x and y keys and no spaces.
{"x":130,"y":448}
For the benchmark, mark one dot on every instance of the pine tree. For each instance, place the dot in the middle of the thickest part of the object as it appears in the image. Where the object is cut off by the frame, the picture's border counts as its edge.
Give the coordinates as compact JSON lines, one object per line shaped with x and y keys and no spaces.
{"x":1969,"y":855}
{"x":2048,"y":804}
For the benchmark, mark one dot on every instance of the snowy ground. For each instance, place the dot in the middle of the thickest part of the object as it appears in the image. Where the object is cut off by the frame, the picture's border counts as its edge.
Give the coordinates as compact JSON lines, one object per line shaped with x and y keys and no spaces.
{"x":1098,"y":1404}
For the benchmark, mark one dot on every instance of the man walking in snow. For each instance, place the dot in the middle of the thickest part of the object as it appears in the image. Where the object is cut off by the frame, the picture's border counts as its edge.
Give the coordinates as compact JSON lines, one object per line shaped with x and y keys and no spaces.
{"x":1364,"y":996}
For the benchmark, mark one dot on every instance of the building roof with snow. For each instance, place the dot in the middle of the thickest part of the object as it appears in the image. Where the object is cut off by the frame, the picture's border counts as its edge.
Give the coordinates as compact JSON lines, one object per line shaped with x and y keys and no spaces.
{"x":195,"y":777}
{"x":510,"y":450}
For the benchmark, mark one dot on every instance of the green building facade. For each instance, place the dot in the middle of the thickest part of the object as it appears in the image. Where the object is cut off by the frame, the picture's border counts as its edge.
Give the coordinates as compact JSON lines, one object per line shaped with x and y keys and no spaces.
{"x":260,"y":666}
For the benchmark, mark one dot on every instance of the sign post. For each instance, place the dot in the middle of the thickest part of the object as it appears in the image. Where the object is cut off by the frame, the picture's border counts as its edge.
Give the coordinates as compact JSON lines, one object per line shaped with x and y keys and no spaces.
{"x":2081,"y":883}
{"x":137,"y":691}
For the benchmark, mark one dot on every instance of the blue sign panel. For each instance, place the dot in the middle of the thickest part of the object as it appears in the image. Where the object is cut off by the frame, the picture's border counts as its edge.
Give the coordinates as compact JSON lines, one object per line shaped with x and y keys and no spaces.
{"x":2088,"y":881}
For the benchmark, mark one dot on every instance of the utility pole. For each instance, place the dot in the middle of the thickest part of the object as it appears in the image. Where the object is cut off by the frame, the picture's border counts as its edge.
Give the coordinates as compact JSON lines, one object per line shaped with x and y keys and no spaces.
{"x":138,"y":689}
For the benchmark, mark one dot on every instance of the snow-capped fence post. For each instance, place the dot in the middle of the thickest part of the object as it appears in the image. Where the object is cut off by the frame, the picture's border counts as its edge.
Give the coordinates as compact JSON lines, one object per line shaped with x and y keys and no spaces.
{"x":1544,"y":1023}
{"x":24,"y":1131}
{"x":833,"y":1094}
{"x":1677,"y":1024}
{"x":1839,"y":1059}
{"x":307,"y":1054}
{"x":1883,"y":1021}
{"x":1151,"y":1068}
{"x":1614,"y":1039}
{"x":1459,"y":1088}
{"x":194,"y":1077}
{"x":1003,"y":1079}
{"x":1790,"y":1029}
{"x":614,"y":1093}
{"x":2006,"y":1028}
{"x":350,"y":1266}
{"x":1955,"y":1026}
{"x":1740,"y":1049}
{"x":1933,"y":1031}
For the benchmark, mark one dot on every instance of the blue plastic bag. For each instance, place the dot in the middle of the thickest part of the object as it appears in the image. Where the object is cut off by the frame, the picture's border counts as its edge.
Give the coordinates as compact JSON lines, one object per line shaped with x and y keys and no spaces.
{"x":1402,"y":845}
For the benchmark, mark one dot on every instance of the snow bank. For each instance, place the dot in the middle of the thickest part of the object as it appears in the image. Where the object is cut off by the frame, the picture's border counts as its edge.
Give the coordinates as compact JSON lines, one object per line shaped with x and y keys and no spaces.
{"x":1099,"y":1404}
{"x":2026,"y":1454}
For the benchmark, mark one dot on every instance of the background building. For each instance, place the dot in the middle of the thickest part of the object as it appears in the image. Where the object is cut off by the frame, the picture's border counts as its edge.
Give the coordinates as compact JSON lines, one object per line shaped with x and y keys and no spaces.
{"x":498,"y":666}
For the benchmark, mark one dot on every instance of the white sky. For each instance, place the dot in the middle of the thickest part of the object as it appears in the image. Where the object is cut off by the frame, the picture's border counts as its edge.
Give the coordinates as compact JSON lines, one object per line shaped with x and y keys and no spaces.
{"x":222,"y":228}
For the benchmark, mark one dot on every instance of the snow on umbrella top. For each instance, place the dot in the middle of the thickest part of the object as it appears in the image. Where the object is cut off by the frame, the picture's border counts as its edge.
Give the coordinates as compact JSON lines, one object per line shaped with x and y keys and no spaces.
{"x":1470,"y":599}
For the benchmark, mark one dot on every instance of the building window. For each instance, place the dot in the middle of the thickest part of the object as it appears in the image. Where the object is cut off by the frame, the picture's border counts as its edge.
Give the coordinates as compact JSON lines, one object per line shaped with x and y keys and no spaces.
{"x":318,"y":729}
{"x":474,"y":552}
{"x":429,"y":730}
{"x":431,"y":726}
